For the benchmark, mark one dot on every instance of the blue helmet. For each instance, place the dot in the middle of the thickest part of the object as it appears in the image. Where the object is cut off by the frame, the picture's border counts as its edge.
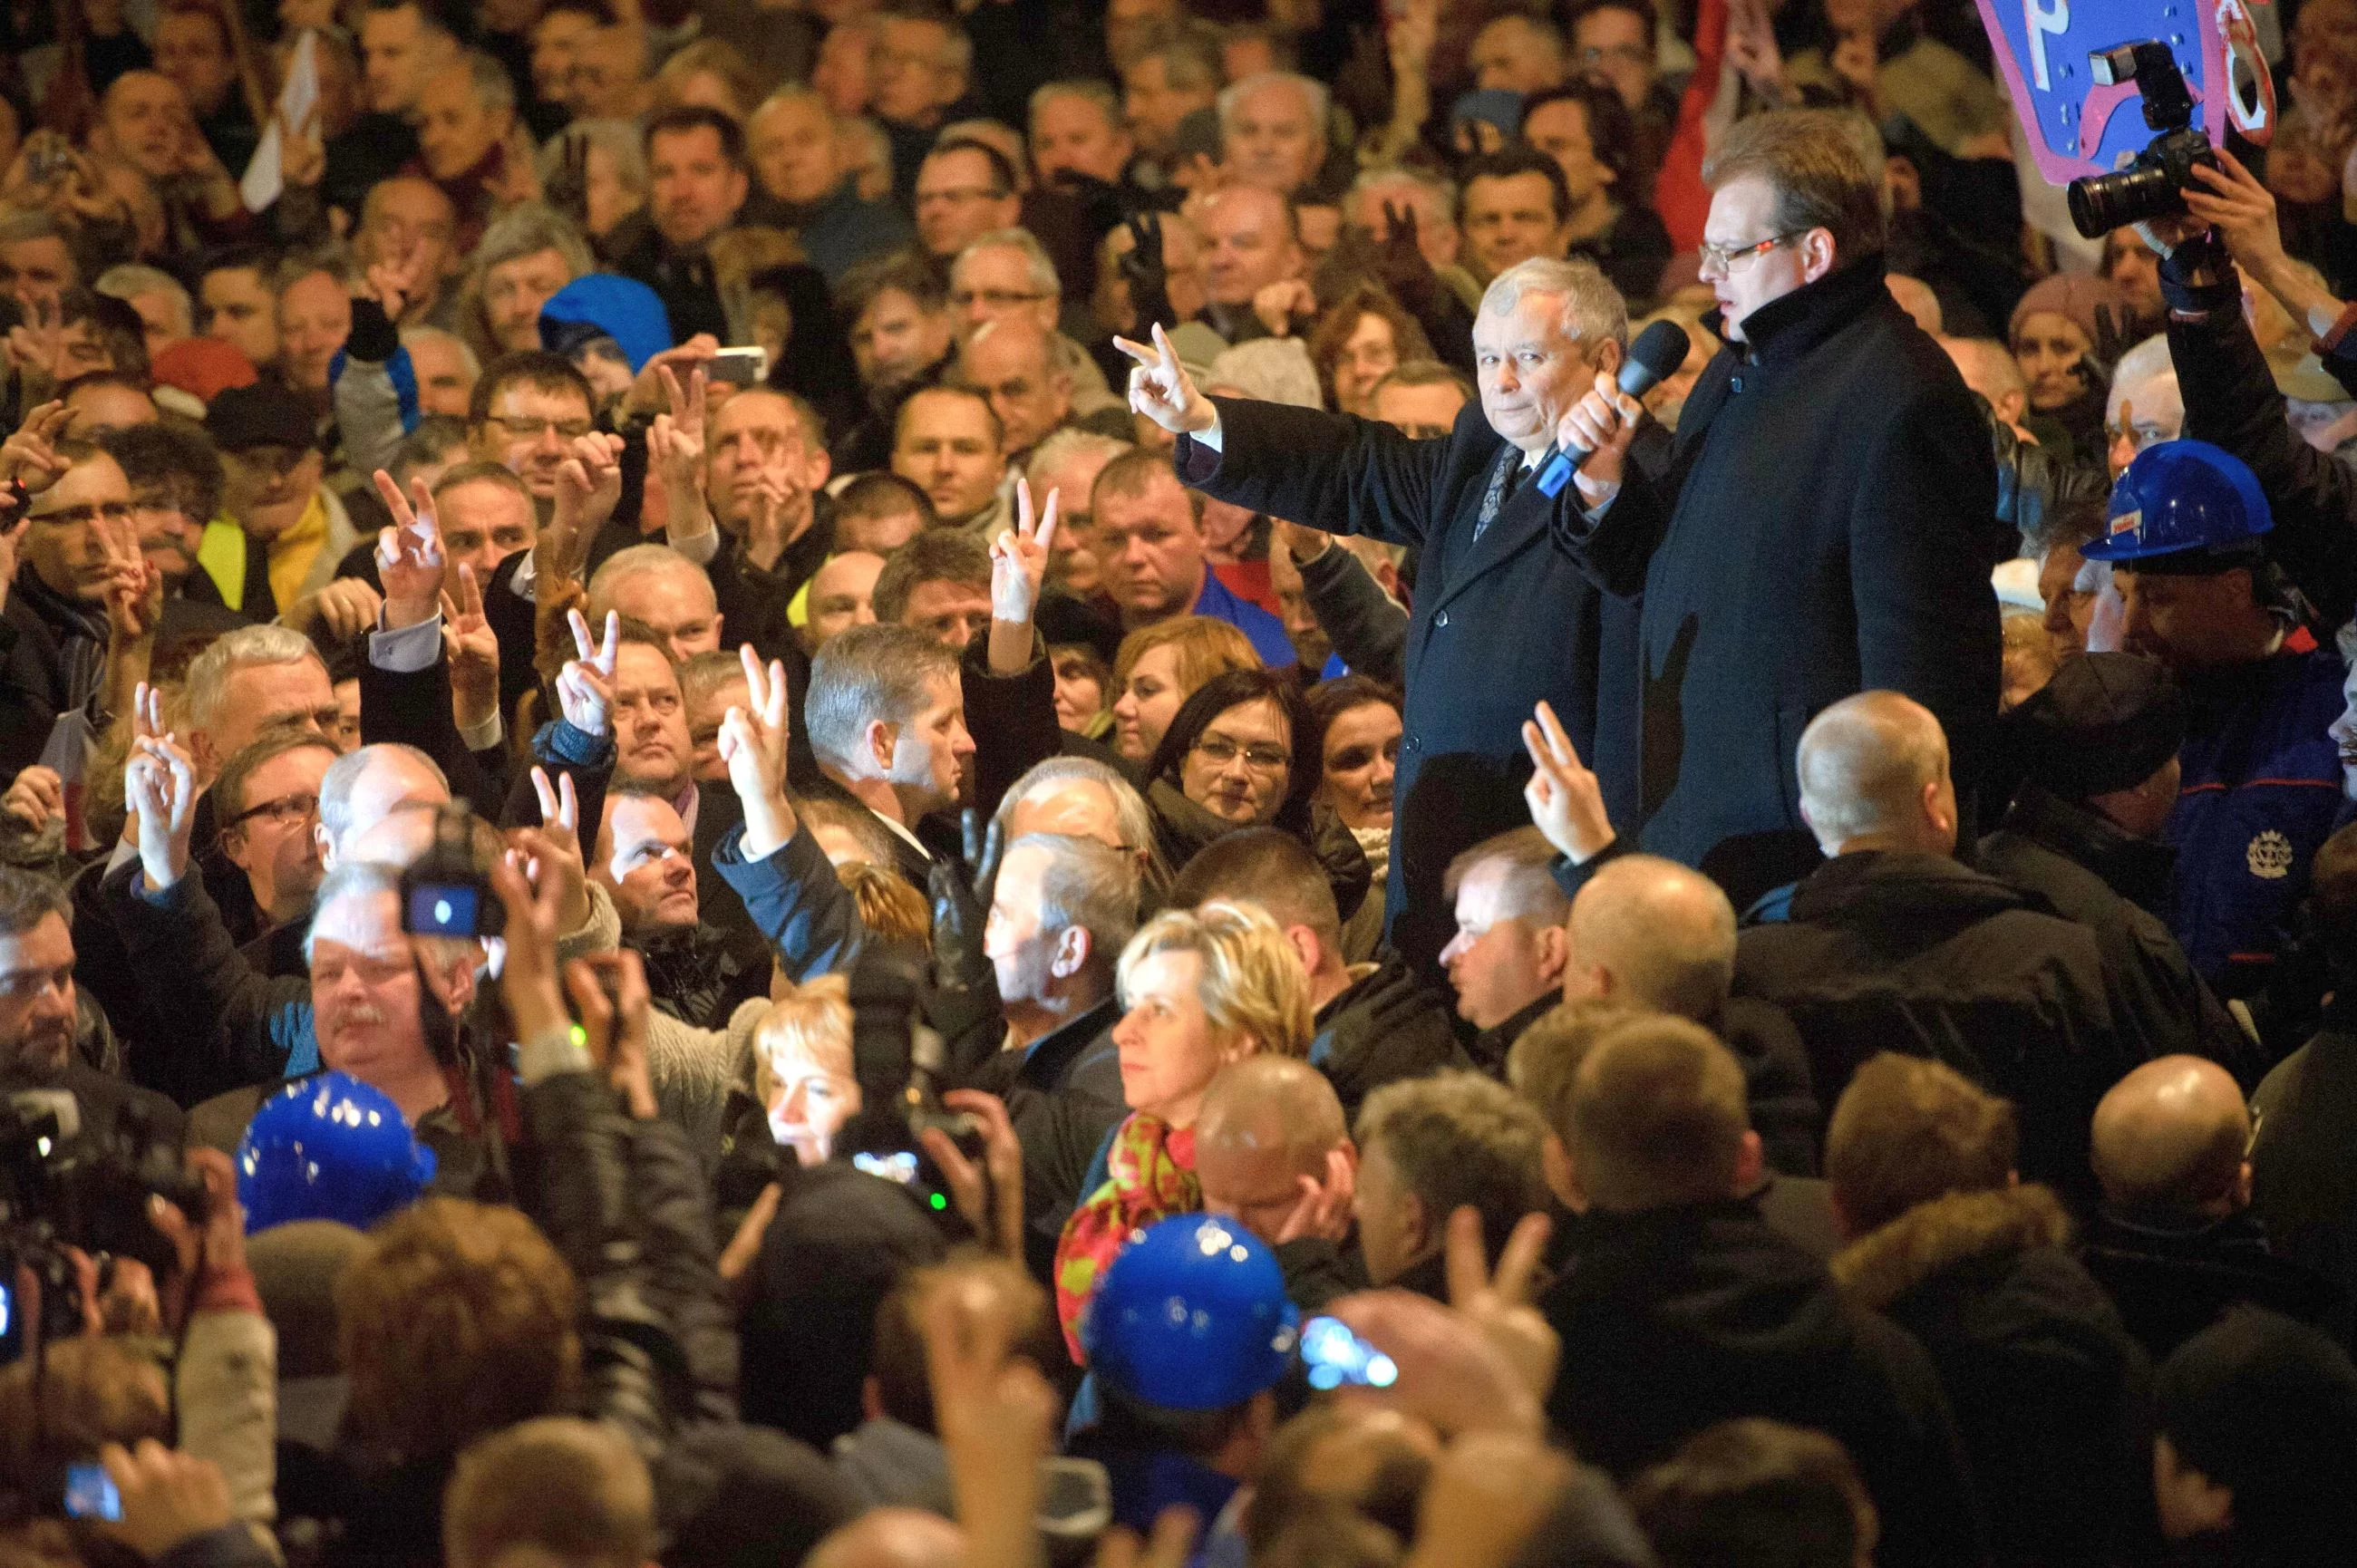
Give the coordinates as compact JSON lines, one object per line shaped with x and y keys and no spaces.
{"x":329,"y":1147}
{"x":2178,"y":497}
{"x":1192,"y":1316}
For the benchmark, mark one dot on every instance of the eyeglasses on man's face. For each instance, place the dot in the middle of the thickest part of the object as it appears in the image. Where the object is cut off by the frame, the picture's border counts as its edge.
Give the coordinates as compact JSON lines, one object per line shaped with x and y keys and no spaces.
{"x":1728,"y":259}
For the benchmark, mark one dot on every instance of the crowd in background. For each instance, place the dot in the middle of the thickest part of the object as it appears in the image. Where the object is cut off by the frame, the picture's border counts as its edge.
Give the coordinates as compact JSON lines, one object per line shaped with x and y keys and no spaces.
{"x":689,"y":872}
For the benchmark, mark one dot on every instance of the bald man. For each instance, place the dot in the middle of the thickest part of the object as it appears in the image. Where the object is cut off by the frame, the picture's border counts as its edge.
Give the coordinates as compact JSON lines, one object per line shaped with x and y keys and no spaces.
{"x":1273,"y":1151}
{"x":1650,"y":933}
{"x":892,"y":1538}
{"x":2175,"y":1241}
{"x":1892,"y":945}
{"x":1989,"y":368}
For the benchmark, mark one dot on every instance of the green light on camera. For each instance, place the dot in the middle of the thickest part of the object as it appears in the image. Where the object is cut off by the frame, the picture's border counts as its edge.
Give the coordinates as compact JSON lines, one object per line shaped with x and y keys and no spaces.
{"x":938,"y":1201}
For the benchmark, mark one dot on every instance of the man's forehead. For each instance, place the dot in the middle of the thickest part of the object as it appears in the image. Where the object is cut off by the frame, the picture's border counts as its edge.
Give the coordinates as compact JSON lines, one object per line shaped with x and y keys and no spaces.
{"x":947,"y":418}
{"x":302,"y":767}
{"x":675,"y":588}
{"x":636,"y":664}
{"x":541,"y":402}
{"x":756,"y":409}
{"x":990,"y":262}
{"x":96,"y":478}
{"x":412,"y":201}
{"x":939,"y":595}
{"x":299,"y":682}
{"x":642,"y":819}
{"x":1274,"y":100}
{"x":366,"y":920}
{"x":480,"y":503}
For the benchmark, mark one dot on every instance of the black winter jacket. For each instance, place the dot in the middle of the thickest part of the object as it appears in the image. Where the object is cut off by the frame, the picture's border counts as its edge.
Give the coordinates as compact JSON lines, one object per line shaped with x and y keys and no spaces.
{"x":1674,"y":1319}
{"x":1821,"y":532}
{"x":2048,"y":1389}
{"x":1904,"y":950}
{"x":1390,"y":1024}
{"x":2061,"y":852}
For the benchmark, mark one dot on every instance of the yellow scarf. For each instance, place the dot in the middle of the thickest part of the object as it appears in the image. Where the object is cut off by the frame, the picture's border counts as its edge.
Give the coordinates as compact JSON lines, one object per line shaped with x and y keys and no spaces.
{"x":293,"y":551}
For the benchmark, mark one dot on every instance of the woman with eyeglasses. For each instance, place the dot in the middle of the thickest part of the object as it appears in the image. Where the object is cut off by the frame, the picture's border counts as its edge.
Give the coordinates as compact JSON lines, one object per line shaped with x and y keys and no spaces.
{"x":1243,"y":753}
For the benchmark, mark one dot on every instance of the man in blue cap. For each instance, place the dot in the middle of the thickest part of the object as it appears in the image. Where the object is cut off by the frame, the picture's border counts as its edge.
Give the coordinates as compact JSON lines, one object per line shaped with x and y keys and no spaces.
{"x":2260,"y":782}
{"x":1187,"y":1338}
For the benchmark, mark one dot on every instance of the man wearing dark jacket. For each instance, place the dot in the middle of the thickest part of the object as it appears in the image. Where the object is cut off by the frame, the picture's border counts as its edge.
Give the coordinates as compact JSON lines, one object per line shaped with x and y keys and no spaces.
{"x":1682,"y":1308}
{"x":1891,"y":945}
{"x":696,"y":181}
{"x":2098,"y":750}
{"x":2047,"y":1386}
{"x":1650,"y":933}
{"x":1500,"y":622}
{"x":1822,"y":527}
{"x":2303,"y":1161}
{"x":2176,"y":1241}
{"x":1376,"y":1022}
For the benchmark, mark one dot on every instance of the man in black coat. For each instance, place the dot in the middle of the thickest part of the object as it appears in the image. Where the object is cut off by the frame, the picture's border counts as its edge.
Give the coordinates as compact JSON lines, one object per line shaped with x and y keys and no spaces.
{"x":1681,"y":1307}
{"x":2047,"y":1386}
{"x":2098,"y":749}
{"x":1501,"y":621}
{"x":1651,"y":933}
{"x":1892,"y":945}
{"x":1823,"y":525}
{"x":2176,"y":1241}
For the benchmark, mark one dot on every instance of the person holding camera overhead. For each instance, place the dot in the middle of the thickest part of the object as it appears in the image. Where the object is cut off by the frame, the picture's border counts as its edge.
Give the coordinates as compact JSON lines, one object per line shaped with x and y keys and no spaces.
{"x":1822,"y":528}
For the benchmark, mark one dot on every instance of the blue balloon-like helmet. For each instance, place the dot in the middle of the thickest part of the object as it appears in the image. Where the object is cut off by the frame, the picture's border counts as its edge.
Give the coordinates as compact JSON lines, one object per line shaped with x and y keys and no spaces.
{"x":2181,"y":497}
{"x":1192,"y":1316}
{"x":329,"y":1147}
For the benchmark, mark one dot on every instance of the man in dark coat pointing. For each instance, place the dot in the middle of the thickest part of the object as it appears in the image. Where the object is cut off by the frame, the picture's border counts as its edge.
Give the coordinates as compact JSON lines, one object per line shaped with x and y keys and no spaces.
{"x":1502,"y":620}
{"x":1823,"y":527}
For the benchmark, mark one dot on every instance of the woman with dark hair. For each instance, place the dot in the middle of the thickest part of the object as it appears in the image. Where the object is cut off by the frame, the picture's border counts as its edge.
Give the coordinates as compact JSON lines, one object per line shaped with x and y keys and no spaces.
{"x":814,"y":358}
{"x":1240,"y":752}
{"x":1354,"y":732}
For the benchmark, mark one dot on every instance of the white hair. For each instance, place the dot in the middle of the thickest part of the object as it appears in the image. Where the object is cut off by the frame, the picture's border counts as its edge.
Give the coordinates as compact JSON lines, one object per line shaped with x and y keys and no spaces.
{"x":410,"y":335}
{"x":209,"y":671}
{"x":1231,"y":97}
{"x":1593,"y":309}
{"x":1039,"y":269}
{"x":126,"y":281}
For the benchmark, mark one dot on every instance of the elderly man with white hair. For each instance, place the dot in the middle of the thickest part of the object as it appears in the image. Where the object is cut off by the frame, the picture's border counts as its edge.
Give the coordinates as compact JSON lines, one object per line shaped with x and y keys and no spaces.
{"x":1273,"y":136}
{"x":1501,"y":626}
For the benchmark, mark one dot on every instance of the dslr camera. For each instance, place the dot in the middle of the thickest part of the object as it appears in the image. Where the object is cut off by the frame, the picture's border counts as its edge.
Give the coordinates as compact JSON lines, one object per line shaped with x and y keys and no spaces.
{"x":63,"y":1184}
{"x":446,"y":892}
{"x":2149,"y":187}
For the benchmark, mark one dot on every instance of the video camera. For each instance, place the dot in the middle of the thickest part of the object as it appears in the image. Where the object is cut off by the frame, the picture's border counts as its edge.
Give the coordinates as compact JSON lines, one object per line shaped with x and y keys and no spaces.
{"x":64,"y":1184}
{"x":2150,"y":186}
{"x":446,"y":892}
{"x":897,"y":1059}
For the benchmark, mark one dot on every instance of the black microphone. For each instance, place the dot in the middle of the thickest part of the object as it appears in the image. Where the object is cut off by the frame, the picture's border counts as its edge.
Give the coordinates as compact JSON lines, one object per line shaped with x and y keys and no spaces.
{"x":1658,"y":351}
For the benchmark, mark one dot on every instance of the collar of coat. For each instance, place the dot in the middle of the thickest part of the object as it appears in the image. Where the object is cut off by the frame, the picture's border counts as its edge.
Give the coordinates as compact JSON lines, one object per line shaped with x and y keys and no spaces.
{"x":1786,"y":329}
{"x":1886,"y":1263}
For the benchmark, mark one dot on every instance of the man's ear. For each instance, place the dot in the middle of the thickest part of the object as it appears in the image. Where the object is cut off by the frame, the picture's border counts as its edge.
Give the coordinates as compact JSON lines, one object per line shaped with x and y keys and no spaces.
{"x":1416,"y":1222}
{"x":1306,"y":947}
{"x":883,"y":738}
{"x":1750,"y":1164}
{"x":1817,"y":256}
{"x":716,"y":619}
{"x":1554,"y":1164}
{"x":208,"y":758}
{"x":1552,"y":953}
{"x":818,"y":467}
{"x":1608,"y":355}
{"x":1072,"y":949}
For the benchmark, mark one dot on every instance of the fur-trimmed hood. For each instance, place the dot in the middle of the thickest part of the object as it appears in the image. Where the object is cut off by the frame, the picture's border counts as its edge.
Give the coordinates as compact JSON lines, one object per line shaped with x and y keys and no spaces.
{"x":1961,"y":1227}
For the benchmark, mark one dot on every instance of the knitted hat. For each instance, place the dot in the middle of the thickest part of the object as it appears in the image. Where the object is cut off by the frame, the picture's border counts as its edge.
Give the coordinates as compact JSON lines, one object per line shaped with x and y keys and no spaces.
{"x":2071,"y":294}
{"x":2267,"y":1407}
{"x":2105,"y":722}
{"x":203,"y":366}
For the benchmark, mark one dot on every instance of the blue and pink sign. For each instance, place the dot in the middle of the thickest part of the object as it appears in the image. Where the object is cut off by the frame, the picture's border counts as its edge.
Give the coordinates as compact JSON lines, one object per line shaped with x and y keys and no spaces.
{"x":2078,"y":126}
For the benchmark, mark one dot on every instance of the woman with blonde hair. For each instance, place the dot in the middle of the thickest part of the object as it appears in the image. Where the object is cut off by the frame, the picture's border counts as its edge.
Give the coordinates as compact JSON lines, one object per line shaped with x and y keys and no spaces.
{"x":1201,"y":989}
{"x":1161,"y":666}
{"x":802,"y":1066}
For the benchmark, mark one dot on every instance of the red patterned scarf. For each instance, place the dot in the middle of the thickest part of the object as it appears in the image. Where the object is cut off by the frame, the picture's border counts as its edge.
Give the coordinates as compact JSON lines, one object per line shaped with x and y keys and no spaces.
{"x":1149,"y":1175}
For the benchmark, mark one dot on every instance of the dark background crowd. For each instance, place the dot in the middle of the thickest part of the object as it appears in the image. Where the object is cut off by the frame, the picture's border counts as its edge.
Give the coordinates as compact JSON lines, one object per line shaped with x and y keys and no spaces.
{"x":837,"y":782}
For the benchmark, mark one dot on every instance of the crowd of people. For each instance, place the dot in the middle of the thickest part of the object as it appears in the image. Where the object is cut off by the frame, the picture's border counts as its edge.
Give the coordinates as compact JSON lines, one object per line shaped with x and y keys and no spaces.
{"x":843,"y":782}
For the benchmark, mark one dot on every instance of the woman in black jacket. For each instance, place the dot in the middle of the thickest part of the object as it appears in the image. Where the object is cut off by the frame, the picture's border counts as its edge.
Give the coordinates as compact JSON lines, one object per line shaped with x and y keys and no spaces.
{"x":1243,"y":753}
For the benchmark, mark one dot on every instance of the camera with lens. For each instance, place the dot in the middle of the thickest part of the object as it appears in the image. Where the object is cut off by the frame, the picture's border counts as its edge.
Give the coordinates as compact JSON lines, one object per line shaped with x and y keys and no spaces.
{"x":2150,"y":186}
{"x":897,"y":1059}
{"x":65,"y":1183}
{"x":446,"y":892}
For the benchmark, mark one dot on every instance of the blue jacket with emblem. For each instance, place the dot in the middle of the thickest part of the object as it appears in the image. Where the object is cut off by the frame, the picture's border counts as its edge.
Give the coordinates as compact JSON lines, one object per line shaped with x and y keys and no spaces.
{"x":2261,"y":792}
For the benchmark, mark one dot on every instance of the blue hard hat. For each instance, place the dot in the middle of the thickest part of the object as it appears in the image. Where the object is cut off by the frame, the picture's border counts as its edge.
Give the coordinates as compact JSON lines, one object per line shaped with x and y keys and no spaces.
{"x":329,"y":1147}
{"x":1192,"y":1316}
{"x":2181,"y":496}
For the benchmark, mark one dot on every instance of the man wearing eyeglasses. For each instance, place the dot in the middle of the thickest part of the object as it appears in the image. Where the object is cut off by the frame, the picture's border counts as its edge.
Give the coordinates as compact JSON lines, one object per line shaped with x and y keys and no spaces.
{"x":1823,"y":528}
{"x":294,"y":528}
{"x":528,"y":410}
{"x":266,"y":800}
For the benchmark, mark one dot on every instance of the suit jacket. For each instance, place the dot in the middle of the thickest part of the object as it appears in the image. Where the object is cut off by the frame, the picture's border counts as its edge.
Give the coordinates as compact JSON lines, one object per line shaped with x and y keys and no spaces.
{"x":1821,"y":532}
{"x":1500,"y":622}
